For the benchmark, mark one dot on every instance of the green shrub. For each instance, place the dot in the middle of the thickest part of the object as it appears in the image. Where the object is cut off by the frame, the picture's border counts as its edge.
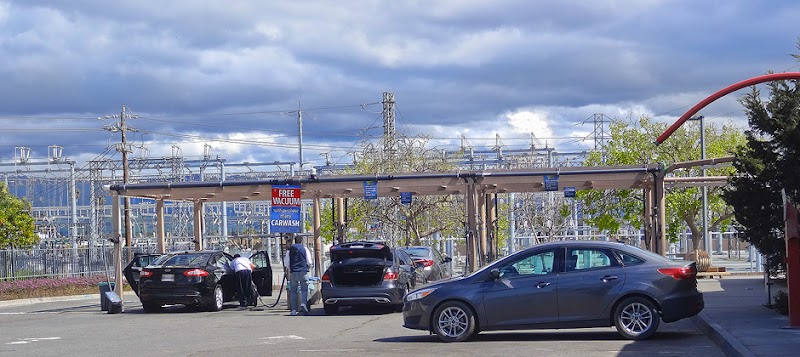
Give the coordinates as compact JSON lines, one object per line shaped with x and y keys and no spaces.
{"x":781,"y":305}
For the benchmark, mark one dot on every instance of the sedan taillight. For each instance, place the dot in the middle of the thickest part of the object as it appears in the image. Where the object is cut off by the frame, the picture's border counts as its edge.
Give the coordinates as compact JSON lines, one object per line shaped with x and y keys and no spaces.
{"x":687,"y":272}
{"x":390,"y":276}
{"x":426,"y":262}
{"x":196,"y":272}
{"x":326,"y":278}
{"x":145,"y":274}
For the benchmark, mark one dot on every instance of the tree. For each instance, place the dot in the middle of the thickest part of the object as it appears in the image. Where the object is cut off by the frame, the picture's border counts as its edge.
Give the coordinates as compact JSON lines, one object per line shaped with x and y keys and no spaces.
{"x":632,"y":144}
{"x":397,"y":222}
{"x":766,"y":165}
{"x":16,"y":223}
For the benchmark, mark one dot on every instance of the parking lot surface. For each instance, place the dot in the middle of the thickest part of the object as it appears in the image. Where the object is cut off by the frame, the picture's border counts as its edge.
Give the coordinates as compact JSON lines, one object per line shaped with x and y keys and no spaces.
{"x":80,"y":328}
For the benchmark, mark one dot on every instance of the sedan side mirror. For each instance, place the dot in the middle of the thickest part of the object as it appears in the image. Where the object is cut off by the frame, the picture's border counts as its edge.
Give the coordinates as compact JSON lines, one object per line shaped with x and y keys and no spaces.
{"x":494,"y":274}
{"x":447,"y":259}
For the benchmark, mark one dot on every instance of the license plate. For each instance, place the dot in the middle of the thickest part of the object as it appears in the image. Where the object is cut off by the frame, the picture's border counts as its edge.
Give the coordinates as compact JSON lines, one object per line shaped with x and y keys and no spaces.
{"x":168,"y":277}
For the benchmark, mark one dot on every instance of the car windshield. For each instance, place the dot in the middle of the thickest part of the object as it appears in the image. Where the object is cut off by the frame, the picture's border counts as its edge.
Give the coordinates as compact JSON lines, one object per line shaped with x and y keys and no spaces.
{"x":189,"y":260}
{"x":417,"y":252}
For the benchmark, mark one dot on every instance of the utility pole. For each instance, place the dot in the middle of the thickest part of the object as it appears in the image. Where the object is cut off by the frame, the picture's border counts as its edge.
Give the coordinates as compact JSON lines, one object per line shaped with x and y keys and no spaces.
{"x":123,"y":128}
{"x":300,"y":133}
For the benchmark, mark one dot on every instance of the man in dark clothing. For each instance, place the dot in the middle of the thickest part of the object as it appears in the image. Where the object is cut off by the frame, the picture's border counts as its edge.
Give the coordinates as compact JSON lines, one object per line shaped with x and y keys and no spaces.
{"x":243,"y":269}
{"x":297,"y":262}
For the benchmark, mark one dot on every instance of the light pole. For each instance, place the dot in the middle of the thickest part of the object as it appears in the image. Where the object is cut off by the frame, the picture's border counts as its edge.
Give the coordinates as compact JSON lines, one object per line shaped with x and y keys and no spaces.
{"x":703,"y":189}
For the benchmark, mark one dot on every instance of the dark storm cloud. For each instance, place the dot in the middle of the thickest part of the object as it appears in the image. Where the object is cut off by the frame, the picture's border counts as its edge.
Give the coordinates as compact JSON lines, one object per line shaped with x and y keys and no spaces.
{"x":235,"y":71}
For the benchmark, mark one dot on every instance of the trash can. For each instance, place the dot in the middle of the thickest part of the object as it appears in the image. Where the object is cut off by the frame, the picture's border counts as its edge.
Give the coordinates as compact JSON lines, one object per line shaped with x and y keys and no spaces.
{"x":105,"y":287}
{"x":314,"y":287}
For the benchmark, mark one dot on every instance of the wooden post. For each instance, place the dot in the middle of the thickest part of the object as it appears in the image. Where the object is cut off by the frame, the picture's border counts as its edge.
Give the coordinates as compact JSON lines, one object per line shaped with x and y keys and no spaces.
{"x":160,"y":226}
{"x":116,"y":237}
{"x":482,"y":229}
{"x":340,"y":219}
{"x":198,"y":225}
{"x":317,"y":238}
{"x":472,"y":227}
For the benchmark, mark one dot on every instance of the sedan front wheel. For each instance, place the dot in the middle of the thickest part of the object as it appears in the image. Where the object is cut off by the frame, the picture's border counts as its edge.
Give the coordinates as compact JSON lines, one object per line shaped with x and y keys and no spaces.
{"x":454,"y":321}
{"x":636,"y":318}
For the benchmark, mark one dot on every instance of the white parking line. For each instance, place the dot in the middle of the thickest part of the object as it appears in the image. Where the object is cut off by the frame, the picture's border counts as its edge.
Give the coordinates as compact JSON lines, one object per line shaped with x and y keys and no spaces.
{"x":289,"y":337}
{"x":23,"y":341}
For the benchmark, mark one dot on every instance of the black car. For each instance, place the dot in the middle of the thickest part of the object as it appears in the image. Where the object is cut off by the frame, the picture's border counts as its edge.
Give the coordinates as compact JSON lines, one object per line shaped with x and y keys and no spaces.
{"x":569,"y":284}
{"x":367,"y":273}
{"x":434,"y":265}
{"x":193,"y":278}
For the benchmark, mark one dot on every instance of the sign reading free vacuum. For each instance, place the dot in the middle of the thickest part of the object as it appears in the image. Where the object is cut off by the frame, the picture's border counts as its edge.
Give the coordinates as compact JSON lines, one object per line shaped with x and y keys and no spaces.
{"x":284,"y":216}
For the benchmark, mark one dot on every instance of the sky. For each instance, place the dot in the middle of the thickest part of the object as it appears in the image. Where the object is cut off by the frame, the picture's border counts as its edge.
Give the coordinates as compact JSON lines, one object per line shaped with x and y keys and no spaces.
{"x":230,"y":76}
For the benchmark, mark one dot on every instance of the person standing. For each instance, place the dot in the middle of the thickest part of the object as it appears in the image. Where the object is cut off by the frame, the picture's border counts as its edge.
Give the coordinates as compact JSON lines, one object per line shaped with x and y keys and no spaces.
{"x":243,"y":269}
{"x":298,"y":263}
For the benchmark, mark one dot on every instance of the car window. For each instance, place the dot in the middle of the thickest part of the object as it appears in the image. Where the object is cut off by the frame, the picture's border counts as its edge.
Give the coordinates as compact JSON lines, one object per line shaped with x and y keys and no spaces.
{"x":628,"y":258}
{"x":223,"y":262}
{"x":260,"y":260}
{"x":191,"y":259}
{"x":419,"y":252}
{"x":539,"y":263}
{"x":403,"y":258}
{"x":589,"y":258}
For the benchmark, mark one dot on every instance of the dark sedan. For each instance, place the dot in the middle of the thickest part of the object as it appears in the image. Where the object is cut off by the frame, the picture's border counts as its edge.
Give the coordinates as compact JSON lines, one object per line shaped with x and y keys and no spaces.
{"x":367,"y":273}
{"x":571,"y":284}
{"x":194,"y":278}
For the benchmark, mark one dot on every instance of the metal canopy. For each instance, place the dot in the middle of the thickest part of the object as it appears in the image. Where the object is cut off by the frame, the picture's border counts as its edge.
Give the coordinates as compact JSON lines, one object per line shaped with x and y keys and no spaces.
{"x":438,"y":183}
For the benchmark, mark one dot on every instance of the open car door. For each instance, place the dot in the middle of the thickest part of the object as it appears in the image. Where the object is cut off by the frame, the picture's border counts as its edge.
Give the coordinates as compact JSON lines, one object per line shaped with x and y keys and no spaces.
{"x":262,"y":274}
{"x":134,"y":268}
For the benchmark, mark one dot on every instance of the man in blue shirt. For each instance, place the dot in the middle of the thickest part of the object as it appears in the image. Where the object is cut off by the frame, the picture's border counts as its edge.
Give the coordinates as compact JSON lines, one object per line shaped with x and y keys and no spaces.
{"x":298,"y":262}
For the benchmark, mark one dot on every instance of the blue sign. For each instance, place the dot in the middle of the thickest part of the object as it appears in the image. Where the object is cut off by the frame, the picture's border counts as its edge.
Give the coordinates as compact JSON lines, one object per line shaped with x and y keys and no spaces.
{"x":284,"y":219}
{"x":551,"y":182}
{"x":569,"y":191}
{"x":370,"y":190}
{"x":405,"y":197}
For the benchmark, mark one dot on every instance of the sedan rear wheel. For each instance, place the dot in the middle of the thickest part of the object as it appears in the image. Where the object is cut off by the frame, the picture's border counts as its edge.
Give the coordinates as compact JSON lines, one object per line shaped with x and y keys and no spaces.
{"x":454,"y":321}
{"x":636,"y":318}
{"x":219,"y":299}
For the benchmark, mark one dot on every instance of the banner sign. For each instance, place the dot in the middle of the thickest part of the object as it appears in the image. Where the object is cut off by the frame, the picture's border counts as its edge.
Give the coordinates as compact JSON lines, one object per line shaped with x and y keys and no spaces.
{"x":569,"y":191}
{"x":405,"y":197}
{"x":370,"y":190}
{"x":551,"y":182}
{"x":284,"y":216}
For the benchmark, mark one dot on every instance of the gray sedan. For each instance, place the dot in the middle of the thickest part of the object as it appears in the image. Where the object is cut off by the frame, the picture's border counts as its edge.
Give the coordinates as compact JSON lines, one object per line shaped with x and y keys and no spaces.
{"x":570,"y":284}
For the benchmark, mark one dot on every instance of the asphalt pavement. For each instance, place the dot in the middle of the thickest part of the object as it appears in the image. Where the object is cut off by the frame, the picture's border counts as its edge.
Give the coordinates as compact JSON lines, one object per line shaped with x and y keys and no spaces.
{"x":735,"y":315}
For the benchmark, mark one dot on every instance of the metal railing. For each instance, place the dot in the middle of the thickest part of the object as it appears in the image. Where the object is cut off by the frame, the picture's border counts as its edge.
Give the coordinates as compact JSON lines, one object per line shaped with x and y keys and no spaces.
{"x":59,"y":262}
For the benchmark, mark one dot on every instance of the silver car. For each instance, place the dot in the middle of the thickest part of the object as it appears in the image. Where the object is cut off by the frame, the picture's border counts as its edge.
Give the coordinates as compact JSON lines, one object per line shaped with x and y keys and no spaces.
{"x":570,"y":284}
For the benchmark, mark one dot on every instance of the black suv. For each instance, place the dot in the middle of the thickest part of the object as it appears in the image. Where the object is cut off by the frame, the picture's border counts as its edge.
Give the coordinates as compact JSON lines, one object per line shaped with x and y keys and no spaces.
{"x":367,"y":273}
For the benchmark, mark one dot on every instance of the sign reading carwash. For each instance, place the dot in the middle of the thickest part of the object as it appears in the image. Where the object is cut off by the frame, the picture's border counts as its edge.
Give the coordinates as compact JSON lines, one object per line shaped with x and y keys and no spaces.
{"x":284,"y":217}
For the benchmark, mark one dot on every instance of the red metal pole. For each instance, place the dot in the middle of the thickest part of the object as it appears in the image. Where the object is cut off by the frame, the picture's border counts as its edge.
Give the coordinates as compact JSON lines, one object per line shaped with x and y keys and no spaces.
{"x":727,"y":90}
{"x":792,"y":261}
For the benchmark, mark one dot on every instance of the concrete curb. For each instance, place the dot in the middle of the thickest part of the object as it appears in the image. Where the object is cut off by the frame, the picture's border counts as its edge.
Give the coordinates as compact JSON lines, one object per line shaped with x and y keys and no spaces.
{"x":729,"y":344}
{"x":34,"y":301}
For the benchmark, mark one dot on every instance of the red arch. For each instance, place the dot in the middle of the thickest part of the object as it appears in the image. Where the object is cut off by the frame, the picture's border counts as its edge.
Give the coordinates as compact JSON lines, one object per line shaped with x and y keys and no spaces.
{"x":732,"y":88}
